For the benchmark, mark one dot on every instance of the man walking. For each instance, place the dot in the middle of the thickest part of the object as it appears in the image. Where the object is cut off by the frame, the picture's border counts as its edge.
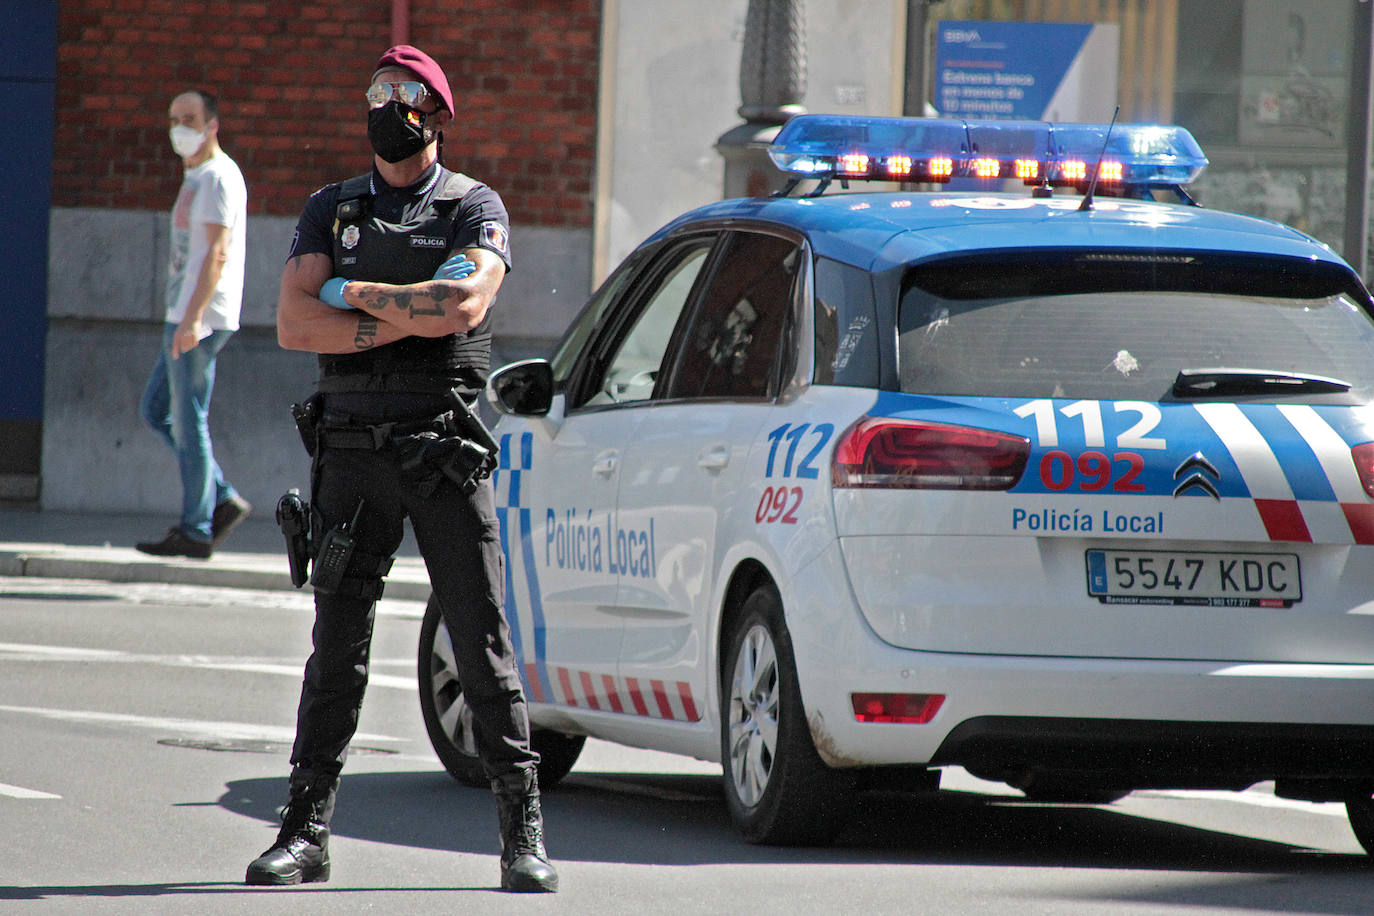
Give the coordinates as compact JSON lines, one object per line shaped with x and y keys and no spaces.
{"x":204,"y":294}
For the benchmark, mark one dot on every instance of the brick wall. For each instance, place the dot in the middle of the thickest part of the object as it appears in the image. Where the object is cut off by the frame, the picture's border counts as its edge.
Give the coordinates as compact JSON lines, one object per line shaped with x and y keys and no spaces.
{"x":290,"y":78}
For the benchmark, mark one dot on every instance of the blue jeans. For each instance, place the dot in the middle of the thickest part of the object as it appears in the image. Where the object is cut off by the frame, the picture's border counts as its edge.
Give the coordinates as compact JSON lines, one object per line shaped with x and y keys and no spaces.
{"x":176,"y":404}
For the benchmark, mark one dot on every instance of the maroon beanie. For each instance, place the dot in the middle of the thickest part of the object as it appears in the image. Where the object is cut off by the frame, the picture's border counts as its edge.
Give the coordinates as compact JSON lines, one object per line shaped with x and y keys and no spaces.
{"x":423,"y":66}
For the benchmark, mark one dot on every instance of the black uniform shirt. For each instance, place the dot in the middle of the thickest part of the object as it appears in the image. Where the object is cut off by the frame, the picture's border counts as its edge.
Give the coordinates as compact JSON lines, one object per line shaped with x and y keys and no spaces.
{"x":480,"y":221}
{"x":402,"y":235}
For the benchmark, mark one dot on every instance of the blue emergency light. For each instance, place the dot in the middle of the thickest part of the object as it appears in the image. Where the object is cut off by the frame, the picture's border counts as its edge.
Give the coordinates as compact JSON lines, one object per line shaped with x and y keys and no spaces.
{"x":1136,"y":156}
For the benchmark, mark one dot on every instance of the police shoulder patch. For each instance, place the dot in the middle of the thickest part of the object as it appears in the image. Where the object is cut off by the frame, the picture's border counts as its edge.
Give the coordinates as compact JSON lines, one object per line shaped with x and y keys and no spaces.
{"x":495,"y":236}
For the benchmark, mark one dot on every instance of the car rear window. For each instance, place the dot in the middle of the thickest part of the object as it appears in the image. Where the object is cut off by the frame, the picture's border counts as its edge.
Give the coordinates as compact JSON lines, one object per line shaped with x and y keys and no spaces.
{"x":1123,"y":326}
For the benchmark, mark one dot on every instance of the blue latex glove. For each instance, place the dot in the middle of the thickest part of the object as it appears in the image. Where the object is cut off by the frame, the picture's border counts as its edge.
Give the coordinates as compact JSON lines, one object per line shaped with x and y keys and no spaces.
{"x":455,"y":268}
{"x":332,"y":293}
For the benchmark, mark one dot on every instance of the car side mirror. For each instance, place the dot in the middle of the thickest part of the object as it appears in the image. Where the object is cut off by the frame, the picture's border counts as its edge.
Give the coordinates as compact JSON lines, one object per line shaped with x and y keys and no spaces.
{"x":522,"y":389}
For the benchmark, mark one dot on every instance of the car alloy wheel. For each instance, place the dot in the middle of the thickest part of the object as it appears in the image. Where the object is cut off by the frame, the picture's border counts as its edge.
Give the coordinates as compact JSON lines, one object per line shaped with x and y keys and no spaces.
{"x":753,"y":722}
{"x":777,"y":788}
{"x":449,"y":722}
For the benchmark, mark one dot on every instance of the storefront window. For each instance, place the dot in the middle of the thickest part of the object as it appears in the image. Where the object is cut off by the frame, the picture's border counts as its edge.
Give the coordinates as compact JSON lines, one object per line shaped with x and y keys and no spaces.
{"x":1264,"y":85}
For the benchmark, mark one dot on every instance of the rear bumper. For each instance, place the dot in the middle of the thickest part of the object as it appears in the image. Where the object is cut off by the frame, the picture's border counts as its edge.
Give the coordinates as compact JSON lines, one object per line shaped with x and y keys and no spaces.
{"x":1174,"y":724}
{"x":1154,"y":723}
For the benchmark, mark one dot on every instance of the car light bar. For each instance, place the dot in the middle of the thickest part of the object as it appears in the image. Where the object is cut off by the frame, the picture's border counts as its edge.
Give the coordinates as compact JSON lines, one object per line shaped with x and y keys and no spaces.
{"x":939,"y":149}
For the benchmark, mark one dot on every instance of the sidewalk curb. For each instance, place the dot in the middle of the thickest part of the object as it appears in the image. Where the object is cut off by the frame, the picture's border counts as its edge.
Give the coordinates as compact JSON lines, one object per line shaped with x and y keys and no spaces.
{"x":117,"y":566}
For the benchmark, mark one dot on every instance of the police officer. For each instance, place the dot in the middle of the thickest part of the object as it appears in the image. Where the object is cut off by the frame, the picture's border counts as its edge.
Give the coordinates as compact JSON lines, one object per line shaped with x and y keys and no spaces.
{"x":390,"y":279}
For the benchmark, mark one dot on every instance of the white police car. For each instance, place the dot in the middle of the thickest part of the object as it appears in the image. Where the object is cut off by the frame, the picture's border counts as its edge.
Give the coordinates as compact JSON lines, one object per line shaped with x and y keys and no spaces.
{"x":841,"y":488}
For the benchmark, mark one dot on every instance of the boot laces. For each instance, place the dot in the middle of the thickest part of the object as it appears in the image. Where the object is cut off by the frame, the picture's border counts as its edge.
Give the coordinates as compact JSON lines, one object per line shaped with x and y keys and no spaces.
{"x":298,"y":819}
{"x":526,"y":835}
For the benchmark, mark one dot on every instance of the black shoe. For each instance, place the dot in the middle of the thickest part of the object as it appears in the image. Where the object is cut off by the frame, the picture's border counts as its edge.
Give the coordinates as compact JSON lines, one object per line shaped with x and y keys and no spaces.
{"x":301,"y":853}
{"x":227,"y":516}
{"x":525,"y":866}
{"x":177,"y":544}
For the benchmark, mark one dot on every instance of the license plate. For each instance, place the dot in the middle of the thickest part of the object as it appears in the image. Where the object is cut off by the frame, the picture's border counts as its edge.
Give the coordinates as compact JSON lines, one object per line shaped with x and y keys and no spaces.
{"x":1182,"y":577}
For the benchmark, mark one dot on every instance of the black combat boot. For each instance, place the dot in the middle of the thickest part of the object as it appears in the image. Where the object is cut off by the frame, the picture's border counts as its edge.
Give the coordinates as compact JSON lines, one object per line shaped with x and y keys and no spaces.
{"x":525,"y":865}
{"x":301,"y":853}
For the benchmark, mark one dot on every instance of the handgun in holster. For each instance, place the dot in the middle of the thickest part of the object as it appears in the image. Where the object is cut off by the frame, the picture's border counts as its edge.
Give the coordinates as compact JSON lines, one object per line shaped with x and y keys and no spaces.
{"x":293,"y":517}
{"x":307,"y":417}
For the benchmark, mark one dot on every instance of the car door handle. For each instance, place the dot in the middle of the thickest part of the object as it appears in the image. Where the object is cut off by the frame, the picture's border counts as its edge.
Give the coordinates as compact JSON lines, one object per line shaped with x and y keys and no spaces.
{"x":604,"y":464}
{"x":714,"y":458}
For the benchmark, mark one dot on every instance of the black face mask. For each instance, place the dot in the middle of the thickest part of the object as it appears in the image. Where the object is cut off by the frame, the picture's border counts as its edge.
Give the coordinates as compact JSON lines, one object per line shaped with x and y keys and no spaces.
{"x":393,"y":133}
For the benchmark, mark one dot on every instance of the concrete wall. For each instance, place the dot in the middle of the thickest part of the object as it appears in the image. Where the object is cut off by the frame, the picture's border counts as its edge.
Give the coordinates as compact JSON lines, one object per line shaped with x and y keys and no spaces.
{"x":670,"y":87}
{"x":106,"y":270}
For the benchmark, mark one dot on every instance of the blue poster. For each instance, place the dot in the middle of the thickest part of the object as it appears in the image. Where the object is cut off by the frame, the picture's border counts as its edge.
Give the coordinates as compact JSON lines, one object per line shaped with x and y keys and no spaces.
{"x":1025,"y":70}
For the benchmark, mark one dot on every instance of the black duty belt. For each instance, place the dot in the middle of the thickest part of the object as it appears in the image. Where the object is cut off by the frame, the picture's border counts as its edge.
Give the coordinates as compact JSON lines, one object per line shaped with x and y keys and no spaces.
{"x":390,"y":381}
{"x":338,"y":430}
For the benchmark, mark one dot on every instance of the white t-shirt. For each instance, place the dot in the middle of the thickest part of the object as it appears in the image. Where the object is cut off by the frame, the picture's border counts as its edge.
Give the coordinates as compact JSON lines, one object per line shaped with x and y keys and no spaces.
{"x":212,"y":192}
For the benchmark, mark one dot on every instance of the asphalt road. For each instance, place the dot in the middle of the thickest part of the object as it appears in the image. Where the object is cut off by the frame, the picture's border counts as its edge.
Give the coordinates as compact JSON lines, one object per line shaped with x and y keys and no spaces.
{"x":144,"y":735}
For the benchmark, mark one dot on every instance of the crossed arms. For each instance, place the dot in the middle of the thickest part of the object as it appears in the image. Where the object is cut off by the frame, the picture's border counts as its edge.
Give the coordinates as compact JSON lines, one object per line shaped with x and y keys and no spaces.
{"x":382,"y":312}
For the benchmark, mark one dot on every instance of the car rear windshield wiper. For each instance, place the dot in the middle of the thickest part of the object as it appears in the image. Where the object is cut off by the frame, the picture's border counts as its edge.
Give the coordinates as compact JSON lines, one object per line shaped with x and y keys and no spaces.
{"x":1211,"y":383}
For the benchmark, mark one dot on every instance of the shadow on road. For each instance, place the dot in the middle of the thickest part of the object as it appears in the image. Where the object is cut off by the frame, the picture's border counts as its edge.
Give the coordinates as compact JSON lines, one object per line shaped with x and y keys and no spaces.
{"x":680,"y":820}
{"x":659,"y":819}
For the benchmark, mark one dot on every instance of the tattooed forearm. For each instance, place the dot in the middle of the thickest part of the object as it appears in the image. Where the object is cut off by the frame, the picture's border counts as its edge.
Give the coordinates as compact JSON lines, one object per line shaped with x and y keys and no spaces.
{"x":412,"y":305}
{"x":366,"y":338}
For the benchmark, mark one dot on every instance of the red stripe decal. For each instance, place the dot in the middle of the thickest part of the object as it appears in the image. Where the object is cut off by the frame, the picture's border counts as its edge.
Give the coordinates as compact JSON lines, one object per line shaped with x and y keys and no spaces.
{"x":532,"y":682}
{"x":569,"y":697}
{"x":636,"y":696}
{"x":661,"y":695}
{"x":684,"y":690}
{"x":611,"y":693}
{"x":588,"y":690}
{"x":1283,"y":520}
{"x":1360,"y":516}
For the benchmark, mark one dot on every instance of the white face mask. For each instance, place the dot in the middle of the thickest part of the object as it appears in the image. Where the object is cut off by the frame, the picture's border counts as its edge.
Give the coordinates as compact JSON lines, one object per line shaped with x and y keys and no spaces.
{"x":185,"y":140}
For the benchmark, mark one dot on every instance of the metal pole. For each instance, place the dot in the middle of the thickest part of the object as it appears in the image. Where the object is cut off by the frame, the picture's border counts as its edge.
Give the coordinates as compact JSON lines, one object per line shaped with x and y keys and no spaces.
{"x":914,"y":96}
{"x":772,"y":84}
{"x":1357,"y":140}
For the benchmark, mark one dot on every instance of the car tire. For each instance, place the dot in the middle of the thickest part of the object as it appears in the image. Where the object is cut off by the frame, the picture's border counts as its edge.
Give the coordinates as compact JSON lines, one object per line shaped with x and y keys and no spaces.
{"x":1360,"y":810}
{"x":448,"y":720}
{"x":777,"y":788}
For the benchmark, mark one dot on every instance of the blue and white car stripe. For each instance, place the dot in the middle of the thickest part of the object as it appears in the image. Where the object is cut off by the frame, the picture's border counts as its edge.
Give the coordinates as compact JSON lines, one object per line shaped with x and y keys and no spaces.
{"x":511,"y":478}
{"x":1291,"y":463}
{"x":535,"y":670}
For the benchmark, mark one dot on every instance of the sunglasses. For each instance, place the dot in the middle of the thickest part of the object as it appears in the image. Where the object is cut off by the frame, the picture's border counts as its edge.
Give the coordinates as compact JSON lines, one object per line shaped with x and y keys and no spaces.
{"x":410,"y":92}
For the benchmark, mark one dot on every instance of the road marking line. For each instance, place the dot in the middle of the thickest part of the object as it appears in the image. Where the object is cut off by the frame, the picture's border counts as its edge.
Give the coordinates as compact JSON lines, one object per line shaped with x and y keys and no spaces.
{"x":242,"y":731}
{"x":373,"y":679}
{"x":21,"y":792}
{"x":72,"y":652}
{"x":27,"y":652}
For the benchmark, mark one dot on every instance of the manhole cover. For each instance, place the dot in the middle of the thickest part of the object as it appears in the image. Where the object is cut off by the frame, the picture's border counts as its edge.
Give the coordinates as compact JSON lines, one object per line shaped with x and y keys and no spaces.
{"x":246,"y":746}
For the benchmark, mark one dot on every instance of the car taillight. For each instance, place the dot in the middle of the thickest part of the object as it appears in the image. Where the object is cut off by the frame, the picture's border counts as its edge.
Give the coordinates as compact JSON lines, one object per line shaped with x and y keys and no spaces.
{"x":902,"y":708}
{"x":888,"y":453}
{"x":1364,"y":464}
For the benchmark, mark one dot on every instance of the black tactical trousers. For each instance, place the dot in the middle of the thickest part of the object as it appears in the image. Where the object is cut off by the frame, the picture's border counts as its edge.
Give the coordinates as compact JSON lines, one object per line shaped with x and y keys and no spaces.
{"x":459,"y":538}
